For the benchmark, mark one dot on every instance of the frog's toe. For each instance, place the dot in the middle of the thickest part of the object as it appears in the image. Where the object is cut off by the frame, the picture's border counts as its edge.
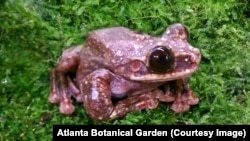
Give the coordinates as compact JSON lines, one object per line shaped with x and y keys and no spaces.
{"x":66,"y":108}
{"x":54,"y":98}
{"x":180,"y":106}
{"x":190,"y":98}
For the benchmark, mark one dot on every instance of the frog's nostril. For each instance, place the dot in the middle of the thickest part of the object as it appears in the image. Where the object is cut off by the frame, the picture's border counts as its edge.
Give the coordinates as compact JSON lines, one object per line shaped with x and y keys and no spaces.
{"x":161,"y":59}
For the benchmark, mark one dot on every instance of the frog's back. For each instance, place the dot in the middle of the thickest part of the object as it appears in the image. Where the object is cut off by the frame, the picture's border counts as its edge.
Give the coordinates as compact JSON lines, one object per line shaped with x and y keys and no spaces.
{"x":119,"y":44}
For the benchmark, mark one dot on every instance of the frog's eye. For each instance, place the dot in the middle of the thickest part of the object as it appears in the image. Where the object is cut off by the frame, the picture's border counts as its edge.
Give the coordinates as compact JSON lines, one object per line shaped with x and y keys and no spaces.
{"x":161,"y":59}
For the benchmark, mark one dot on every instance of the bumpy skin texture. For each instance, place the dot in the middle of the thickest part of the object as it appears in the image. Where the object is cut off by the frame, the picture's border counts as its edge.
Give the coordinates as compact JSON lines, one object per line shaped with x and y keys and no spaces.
{"x":111,"y":74}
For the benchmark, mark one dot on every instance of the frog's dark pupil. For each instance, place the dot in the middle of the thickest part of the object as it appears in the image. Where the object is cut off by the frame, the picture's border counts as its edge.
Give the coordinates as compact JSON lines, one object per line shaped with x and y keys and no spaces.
{"x":161,"y":59}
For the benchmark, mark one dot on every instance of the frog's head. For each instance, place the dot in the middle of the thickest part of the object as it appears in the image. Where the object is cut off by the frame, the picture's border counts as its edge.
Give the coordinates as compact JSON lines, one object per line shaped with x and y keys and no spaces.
{"x":141,"y":57}
{"x":152,"y":59}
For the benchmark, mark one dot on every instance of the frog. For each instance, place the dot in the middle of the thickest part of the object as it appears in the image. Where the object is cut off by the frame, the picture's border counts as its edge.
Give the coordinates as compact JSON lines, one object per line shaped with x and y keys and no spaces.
{"x":118,"y":70}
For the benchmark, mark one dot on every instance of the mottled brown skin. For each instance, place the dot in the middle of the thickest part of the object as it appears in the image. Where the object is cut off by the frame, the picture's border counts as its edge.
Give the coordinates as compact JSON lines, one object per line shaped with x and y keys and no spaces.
{"x":111,"y":75}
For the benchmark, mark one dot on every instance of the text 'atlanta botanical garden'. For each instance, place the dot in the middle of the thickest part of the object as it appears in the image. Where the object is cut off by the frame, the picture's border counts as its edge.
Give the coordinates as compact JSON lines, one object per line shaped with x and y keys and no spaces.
{"x":105,"y":132}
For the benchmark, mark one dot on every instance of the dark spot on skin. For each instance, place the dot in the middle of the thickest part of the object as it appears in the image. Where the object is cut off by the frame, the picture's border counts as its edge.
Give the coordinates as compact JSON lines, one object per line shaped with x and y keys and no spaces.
{"x":181,"y":32}
{"x":184,"y":33}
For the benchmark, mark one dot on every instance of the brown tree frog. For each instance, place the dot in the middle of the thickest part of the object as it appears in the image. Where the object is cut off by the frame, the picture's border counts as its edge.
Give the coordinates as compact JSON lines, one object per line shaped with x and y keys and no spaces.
{"x":118,"y":70}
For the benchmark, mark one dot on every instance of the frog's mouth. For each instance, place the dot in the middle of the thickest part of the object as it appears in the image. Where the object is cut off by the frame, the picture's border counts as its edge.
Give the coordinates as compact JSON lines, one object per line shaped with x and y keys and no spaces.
{"x":185,"y":64}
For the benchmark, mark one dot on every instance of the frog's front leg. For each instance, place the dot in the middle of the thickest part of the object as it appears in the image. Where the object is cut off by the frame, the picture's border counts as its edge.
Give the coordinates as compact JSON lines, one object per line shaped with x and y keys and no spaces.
{"x":184,"y":96}
{"x":62,"y":83}
{"x":181,"y":95}
{"x":97,"y":97}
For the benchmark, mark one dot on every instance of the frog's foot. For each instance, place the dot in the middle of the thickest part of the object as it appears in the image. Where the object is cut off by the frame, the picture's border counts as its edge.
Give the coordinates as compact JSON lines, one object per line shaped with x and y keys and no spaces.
{"x":179,"y":106}
{"x":62,"y":88}
{"x":62,"y":80}
{"x":168,"y":96}
{"x":184,"y":97}
{"x":189,"y":98}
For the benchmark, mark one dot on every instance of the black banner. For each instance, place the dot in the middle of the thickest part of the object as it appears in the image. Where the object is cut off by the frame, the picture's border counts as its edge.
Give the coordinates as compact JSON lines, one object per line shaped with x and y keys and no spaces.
{"x":241,"y":132}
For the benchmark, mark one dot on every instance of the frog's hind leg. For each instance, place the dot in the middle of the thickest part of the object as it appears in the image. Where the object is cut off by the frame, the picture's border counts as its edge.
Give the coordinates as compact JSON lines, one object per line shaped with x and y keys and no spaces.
{"x":184,"y":96}
{"x":98,"y":102}
{"x":62,"y":81}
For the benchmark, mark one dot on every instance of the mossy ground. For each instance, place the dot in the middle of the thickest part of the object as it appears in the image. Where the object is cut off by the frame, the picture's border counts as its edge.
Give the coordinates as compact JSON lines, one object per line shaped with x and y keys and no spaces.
{"x":33,"y":34}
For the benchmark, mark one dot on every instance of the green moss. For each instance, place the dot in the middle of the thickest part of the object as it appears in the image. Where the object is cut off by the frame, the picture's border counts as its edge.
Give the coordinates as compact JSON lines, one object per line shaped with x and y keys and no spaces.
{"x":34,"y":33}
